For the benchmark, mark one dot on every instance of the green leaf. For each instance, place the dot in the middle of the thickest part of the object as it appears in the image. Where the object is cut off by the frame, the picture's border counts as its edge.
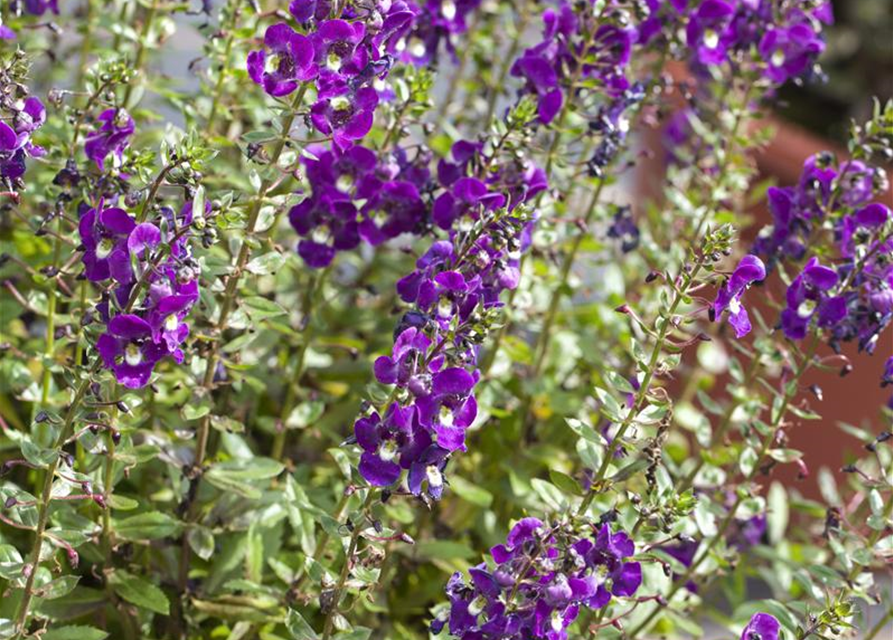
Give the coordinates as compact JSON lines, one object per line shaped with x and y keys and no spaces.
{"x":147,"y":526}
{"x":267,"y":263}
{"x":260,"y":308}
{"x":444,"y":550}
{"x":201,"y":540}
{"x":777,"y":512}
{"x":630,"y":470}
{"x":236,"y":475}
{"x":76,"y":632}
{"x":58,"y":588}
{"x":299,"y":628}
{"x":471,"y":492}
{"x":565,"y":482}
{"x":139,"y":591}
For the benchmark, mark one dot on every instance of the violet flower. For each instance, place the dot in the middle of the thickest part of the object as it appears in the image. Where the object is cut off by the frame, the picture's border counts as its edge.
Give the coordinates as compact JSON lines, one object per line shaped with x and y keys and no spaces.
{"x":290,"y":61}
{"x":128,"y":350}
{"x":751,"y":269}
{"x":104,"y":236}
{"x":809,"y":298}
{"x":762,"y":626}
{"x":112,"y":137}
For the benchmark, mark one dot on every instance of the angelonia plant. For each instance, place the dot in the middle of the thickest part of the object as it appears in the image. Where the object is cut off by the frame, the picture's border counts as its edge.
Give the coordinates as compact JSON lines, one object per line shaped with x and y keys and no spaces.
{"x":405,"y":319}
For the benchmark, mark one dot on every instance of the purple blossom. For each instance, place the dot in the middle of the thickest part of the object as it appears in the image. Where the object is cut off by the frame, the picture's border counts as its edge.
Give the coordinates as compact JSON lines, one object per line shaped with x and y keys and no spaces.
{"x":751,"y":269}
{"x":346,"y":117}
{"x":105,"y":233}
{"x":15,"y":138}
{"x":540,"y":580}
{"x":128,"y":350}
{"x":389,"y":444}
{"x":112,"y":137}
{"x":289,"y":61}
{"x":809,"y":297}
{"x":762,"y":626}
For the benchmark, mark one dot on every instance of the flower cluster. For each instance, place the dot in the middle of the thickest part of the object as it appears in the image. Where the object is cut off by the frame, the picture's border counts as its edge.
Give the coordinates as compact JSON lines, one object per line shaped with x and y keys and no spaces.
{"x":346,"y":57}
{"x":580,"y":48}
{"x":21,"y":115}
{"x":538,"y":582}
{"x":781,"y":40}
{"x":330,"y":220}
{"x":454,"y":292}
{"x":151,"y":284}
{"x":852,"y":297}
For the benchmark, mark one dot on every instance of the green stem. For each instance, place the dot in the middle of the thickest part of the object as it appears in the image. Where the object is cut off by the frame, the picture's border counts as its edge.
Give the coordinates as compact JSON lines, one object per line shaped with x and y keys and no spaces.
{"x":141,"y":48}
{"x":791,"y":388}
{"x":542,"y":344}
{"x":345,"y":570}
{"x":43,"y":506}
{"x":294,"y":384}
{"x":508,"y":60}
{"x":662,"y":334}
{"x":221,"y":73}
{"x":229,"y":297}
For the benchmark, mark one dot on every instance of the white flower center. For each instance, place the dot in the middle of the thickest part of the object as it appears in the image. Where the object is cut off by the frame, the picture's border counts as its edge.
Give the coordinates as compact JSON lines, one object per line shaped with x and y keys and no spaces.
{"x":387,"y":451}
{"x":448,"y":9}
{"x":557,"y":621}
{"x":444,"y":307}
{"x":806,"y":308}
{"x":132,"y":355}
{"x":477,"y":605}
{"x":171,"y":322}
{"x":446,"y":416}
{"x":418,"y":49}
{"x":341,"y":103}
{"x":711,"y":39}
{"x":333,"y":61}
{"x":778,"y":58}
{"x":104,"y":248}
{"x":435,"y":478}
{"x":320,"y":235}
{"x":734,"y":306}
{"x":344,"y":182}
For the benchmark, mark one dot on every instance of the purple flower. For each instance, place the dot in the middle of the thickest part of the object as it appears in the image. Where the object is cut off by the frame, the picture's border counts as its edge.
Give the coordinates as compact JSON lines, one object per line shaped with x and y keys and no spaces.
{"x":104,"y":236}
{"x":541,"y":80}
{"x":337,"y":50}
{"x":395,"y":208}
{"x":450,"y":408}
{"x":540,"y":582}
{"x":327,"y":221}
{"x":709,"y":32}
{"x":426,"y":472}
{"x":789,"y":51}
{"x":808,"y":297}
{"x":762,"y":626}
{"x":288,"y":62}
{"x":346,"y":117}
{"x":15,"y":139}
{"x":751,"y":269}
{"x":112,"y":137}
{"x":389,"y":445}
{"x":128,"y":350}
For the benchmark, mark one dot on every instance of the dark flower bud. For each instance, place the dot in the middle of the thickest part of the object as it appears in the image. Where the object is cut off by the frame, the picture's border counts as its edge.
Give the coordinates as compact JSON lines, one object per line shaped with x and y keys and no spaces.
{"x":41,"y":416}
{"x":122,"y":406}
{"x":846,"y":370}
{"x":100,"y":500}
{"x":10,"y":502}
{"x":116,"y":437}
